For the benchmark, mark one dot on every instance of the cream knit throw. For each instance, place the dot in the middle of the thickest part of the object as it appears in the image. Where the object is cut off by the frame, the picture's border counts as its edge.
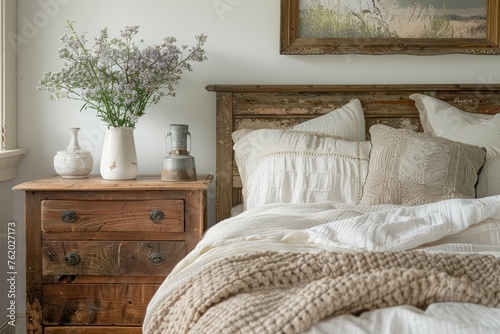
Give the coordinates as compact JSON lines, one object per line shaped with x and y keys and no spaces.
{"x":283,"y":292}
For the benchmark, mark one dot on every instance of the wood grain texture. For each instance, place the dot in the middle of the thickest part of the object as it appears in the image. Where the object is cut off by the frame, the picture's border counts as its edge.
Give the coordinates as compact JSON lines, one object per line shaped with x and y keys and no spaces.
{"x":123,"y":216}
{"x":111,"y":257}
{"x":92,"y":330}
{"x":96,"y":183}
{"x":34,"y":295}
{"x":96,"y":304}
{"x":282,"y":106}
{"x":96,"y":279}
{"x":122,"y":255}
{"x":224,"y":158}
{"x":196,"y":217}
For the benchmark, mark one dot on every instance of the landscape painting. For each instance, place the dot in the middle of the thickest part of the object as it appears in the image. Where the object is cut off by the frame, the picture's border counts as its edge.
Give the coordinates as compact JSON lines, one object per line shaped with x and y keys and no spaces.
{"x":413,"y":27}
{"x":393,"y":18}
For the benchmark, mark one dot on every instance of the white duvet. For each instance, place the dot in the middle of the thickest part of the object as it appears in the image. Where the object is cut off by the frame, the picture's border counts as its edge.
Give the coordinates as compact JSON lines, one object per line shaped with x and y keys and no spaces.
{"x":456,"y":225}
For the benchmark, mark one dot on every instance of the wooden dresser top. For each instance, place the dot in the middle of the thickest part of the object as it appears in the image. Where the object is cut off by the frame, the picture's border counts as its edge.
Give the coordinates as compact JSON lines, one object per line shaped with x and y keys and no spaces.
{"x":96,"y":182}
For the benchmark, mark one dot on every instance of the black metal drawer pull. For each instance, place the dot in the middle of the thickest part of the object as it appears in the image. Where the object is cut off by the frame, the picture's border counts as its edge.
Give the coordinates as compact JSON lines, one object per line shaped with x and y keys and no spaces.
{"x":68,"y":216}
{"x":71,"y":259}
{"x":156,"y":258}
{"x":156,"y":216}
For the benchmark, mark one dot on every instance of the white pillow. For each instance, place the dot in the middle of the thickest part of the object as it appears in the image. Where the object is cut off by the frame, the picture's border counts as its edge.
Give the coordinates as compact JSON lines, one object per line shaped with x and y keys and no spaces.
{"x":441,"y":119}
{"x":489,"y":177}
{"x":346,"y":122}
{"x":238,"y":134}
{"x":282,"y":166}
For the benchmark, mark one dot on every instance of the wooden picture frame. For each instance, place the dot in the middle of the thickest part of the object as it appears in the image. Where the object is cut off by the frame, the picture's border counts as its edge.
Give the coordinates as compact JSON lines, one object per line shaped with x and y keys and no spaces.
{"x":292,"y":44}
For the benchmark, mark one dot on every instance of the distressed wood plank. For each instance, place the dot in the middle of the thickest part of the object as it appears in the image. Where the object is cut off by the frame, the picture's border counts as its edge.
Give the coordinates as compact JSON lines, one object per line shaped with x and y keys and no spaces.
{"x":114,"y":279}
{"x":34,"y":295}
{"x":196,"y":218}
{"x":283,"y":106}
{"x":97,"y":183}
{"x":224,"y":157}
{"x":96,"y":304}
{"x":93,"y":330}
{"x":95,"y":279}
{"x":309,"y":105}
{"x":123,"y":216}
{"x":130,"y":258}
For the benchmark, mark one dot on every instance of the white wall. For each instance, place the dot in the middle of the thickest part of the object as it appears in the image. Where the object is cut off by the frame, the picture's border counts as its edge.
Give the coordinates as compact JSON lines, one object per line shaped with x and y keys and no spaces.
{"x":242,"y":47}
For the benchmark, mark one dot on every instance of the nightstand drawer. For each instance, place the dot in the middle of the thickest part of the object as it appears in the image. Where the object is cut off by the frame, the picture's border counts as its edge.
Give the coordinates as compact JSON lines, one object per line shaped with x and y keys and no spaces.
{"x":132,"y":258}
{"x":96,"y":304}
{"x":123,"y":216}
{"x":97,"y":250}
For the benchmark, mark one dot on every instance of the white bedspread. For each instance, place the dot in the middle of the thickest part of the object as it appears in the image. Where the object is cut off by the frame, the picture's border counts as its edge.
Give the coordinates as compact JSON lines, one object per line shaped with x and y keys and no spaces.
{"x":457,"y":225}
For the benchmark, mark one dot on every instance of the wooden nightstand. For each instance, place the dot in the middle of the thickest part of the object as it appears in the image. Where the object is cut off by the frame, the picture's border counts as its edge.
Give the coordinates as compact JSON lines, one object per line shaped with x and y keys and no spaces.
{"x":97,"y":250}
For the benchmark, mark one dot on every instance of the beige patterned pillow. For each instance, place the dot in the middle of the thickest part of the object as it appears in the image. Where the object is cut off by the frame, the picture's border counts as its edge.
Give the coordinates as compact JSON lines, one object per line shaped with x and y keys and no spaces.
{"x":412,"y":168}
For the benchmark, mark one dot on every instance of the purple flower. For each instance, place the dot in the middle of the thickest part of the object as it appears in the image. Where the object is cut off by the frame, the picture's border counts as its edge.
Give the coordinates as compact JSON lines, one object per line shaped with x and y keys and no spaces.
{"x":115,"y":77}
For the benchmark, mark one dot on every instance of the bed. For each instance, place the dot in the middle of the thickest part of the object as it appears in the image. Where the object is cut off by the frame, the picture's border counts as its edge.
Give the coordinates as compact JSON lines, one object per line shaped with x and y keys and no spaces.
{"x":346,"y":209}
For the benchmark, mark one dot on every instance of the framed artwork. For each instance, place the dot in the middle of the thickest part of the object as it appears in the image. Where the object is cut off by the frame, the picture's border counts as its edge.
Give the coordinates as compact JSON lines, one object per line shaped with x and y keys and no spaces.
{"x":376,"y":27}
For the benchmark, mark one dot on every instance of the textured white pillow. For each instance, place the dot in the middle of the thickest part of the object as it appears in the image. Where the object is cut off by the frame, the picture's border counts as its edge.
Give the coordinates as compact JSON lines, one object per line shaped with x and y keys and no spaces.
{"x":441,"y":119}
{"x":238,"y":134}
{"x":282,"y":166}
{"x":346,"y":122}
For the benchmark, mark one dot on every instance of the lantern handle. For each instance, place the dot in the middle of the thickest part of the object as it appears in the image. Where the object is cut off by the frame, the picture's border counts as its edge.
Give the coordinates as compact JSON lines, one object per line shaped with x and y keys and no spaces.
{"x":169,"y":134}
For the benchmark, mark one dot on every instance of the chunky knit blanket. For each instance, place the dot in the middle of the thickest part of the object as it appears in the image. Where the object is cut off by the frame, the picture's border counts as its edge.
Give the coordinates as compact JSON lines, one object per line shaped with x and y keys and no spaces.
{"x":286,"y":292}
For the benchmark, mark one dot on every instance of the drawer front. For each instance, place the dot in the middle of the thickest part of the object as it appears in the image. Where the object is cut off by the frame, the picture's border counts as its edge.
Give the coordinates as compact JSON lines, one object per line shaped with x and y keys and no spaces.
{"x":131,"y":258}
{"x":96,"y":304}
{"x":124,"y":216}
{"x":92,"y":330}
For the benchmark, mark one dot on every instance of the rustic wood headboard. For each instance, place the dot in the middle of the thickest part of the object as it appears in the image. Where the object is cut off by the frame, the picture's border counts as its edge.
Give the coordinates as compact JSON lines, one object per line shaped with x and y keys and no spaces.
{"x":282,"y":106}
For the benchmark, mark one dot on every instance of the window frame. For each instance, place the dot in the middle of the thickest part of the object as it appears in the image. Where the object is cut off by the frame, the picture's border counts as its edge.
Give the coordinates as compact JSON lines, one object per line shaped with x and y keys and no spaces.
{"x":10,"y":154}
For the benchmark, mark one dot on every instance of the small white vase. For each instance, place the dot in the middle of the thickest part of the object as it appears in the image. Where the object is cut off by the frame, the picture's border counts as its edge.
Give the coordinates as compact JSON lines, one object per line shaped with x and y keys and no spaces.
{"x":73,"y":162}
{"x":119,"y":158}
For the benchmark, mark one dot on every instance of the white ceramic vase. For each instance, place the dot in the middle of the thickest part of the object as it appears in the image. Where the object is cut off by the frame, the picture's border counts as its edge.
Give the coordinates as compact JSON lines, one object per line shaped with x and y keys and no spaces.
{"x":73,"y":162}
{"x":119,"y":158}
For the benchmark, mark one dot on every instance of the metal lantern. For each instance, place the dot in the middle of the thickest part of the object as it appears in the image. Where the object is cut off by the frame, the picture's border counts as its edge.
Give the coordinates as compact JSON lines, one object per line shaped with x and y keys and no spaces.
{"x":178,"y":165}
